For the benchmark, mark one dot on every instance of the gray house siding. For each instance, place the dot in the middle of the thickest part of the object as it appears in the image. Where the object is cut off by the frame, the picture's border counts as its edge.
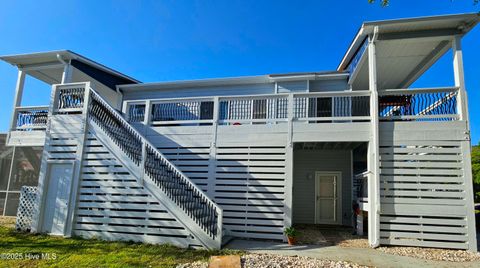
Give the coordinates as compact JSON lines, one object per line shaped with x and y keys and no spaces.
{"x":329,"y":85}
{"x":229,"y":90}
{"x":305,"y":163}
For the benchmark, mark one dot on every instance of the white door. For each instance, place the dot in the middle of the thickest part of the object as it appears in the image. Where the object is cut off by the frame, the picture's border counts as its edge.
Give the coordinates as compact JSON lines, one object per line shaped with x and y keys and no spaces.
{"x":57,"y":199}
{"x":327,"y":198}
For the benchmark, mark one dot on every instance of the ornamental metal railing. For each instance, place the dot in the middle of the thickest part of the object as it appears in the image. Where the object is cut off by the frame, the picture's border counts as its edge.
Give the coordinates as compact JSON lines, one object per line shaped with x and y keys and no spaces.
{"x":169,"y":179}
{"x":31,"y":118}
{"x":429,"y":104}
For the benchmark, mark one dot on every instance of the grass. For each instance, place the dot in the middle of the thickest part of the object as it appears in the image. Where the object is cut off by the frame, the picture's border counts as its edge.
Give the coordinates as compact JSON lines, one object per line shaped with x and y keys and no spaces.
{"x":78,"y":252}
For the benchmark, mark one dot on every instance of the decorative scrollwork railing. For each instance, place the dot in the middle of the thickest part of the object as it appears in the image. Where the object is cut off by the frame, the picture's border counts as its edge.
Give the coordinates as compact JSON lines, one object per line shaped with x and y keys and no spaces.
{"x":438,"y":104}
{"x":31,"y":118}
{"x":183,"y":192}
{"x":70,"y":98}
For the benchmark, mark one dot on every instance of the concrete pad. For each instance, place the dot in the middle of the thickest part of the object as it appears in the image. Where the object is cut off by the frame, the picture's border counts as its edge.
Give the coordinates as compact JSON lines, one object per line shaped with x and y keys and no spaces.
{"x":229,"y":261}
{"x":363,"y":256}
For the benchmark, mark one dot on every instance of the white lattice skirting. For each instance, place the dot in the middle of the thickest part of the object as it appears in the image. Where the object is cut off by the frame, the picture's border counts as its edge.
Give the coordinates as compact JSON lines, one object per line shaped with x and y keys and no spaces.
{"x":28,"y":194}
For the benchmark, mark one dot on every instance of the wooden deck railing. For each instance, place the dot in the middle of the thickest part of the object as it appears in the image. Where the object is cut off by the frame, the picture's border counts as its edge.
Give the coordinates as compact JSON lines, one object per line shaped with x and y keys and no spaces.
{"x":345,"y":106}
{"x":428,"y":104}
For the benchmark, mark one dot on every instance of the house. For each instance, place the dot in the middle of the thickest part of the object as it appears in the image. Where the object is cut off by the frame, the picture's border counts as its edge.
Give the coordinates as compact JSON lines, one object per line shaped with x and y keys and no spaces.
{"x":194,"y":162}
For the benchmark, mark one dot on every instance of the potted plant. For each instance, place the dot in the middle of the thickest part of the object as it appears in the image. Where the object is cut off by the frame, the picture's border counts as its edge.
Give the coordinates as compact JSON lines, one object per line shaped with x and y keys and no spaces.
{"x":291,"y":234}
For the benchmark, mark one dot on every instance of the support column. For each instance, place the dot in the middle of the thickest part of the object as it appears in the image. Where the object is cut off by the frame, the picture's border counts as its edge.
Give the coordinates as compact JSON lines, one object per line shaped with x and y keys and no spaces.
{"x":288,"y":203}
{"x":462,"y":109}
{"x":212,"y":162}
{"x":373,"y":149}
{"x":17,"y":99}
{"x":67,"y":73}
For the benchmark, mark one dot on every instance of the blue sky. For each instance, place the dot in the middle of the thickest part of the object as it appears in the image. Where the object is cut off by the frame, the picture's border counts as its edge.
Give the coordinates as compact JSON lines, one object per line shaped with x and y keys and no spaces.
{"x":174,"y":40}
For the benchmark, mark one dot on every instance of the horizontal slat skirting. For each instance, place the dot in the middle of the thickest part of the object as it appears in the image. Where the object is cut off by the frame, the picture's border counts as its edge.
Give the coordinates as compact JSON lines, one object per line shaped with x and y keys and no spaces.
{"x":427,"y":236}
{"x":419,"y":243}
{"x":184,"y":242}
{"x":423,"y":228}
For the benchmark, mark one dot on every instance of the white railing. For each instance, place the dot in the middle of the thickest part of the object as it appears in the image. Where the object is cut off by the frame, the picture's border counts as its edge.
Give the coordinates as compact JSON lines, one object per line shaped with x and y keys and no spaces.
{"x":345,"y":106}
{"x":253,"y":109}
{"x":69,"y":98}
{"x":332,"y":106}
{"x":31,"y":118}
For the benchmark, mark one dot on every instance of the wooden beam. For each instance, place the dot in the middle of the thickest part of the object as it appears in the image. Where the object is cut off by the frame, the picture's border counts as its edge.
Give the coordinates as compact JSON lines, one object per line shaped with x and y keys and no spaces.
{"x":431,"y":34}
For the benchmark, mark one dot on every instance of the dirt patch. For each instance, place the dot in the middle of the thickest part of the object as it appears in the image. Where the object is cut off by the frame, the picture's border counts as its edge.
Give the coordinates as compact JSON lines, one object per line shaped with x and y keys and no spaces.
{"x":433,"y":253}
{"x":330,"y":236}
{"x":7,"y":221}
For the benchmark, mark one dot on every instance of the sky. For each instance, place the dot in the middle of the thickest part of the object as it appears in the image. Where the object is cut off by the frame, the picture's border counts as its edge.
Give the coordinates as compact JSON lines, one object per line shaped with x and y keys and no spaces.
{"x":175,"y":40}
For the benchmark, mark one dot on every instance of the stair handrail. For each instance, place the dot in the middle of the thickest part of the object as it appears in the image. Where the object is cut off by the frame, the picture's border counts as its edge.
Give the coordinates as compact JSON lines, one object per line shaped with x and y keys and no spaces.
{"x":145,"y":144}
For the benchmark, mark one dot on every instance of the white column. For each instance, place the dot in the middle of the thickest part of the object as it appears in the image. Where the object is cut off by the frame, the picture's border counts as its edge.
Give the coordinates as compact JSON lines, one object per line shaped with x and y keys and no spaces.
{"x":17,"y":99}
{"x":373,"y":151}
{"x":459,"y":78}
{"x":67,"y":74}
{"x":462,"y":108}
{"x":212,"y":162}
{"x":288,"y":205}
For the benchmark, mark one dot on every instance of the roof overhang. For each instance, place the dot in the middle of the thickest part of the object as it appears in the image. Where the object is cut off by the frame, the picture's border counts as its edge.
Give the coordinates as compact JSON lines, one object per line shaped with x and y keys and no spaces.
{"x":48,"y":66}
{"x":234,"y":81}
{"x":428,"y":27}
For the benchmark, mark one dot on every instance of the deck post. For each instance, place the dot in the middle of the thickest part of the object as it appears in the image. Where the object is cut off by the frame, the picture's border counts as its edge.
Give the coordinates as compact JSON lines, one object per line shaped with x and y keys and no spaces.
{"x":67,"y":74}
{"x":212,"y":161}
{"x":17,"y":99}
{"x":462,"y":108}
{"x":373,"y":149}
{"x":288,"y":206}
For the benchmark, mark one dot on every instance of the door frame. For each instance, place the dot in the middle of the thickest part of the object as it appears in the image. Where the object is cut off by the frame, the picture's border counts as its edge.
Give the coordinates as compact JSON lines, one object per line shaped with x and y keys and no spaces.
{"x":45,"y":195}
{"x":338,"y":204}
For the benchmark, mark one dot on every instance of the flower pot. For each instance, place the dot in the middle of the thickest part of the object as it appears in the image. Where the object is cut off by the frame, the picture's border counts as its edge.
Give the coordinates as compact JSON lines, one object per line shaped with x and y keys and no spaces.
{"x":291,"y":240}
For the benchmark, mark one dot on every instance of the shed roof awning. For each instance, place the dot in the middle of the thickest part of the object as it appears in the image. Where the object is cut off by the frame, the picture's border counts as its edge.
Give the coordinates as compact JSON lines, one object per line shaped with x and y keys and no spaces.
{"x":406,"y":48}
{"x":47,"y":66}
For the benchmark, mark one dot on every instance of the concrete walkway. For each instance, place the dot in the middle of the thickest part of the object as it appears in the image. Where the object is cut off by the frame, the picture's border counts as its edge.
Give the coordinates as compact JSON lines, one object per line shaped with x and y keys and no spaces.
{"x":364,"y":256}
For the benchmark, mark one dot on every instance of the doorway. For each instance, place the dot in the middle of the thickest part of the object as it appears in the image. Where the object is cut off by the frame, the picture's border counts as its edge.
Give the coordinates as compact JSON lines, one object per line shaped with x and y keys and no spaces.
{"x":328,"y":198}
{"x":59,"y":179}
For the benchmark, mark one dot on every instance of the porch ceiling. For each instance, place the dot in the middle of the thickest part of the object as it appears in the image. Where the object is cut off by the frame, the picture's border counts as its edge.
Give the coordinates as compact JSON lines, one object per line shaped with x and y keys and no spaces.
{"x":405,"y":48}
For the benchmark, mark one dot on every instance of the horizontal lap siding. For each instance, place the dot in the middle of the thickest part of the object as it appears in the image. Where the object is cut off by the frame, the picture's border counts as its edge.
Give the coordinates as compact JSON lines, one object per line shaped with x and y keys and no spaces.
{"x":250,"y":187}
{"x":113,"y":205}
{"x":422,"y":191}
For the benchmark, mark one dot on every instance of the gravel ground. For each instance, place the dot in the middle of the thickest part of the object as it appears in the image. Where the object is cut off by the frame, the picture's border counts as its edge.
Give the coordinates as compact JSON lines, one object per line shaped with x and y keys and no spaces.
{"x":433,"y":253}
{"x":277,"y":261}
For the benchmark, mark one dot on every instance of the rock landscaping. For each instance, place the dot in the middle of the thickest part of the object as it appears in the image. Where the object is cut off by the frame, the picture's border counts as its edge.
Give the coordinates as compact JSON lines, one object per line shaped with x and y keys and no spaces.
{"x":278,"y":261}
{"x":433,"y":253}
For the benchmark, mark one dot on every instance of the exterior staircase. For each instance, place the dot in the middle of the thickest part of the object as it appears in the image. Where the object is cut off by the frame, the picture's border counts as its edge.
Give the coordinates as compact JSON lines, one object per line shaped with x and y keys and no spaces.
{"x":164,"y":181}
